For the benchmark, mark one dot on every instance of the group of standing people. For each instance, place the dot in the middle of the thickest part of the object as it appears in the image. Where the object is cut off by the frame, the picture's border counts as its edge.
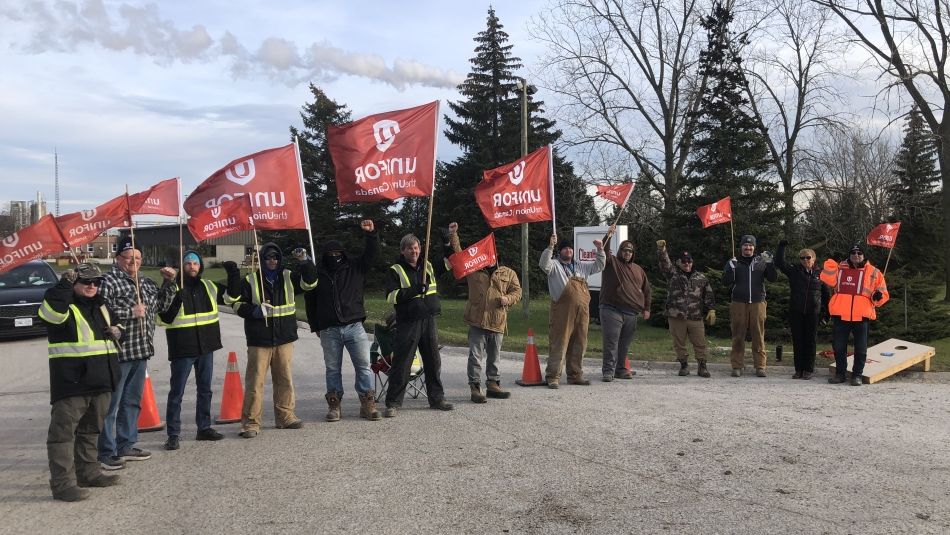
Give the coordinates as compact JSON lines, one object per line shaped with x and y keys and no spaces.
{"x":101,"y":331}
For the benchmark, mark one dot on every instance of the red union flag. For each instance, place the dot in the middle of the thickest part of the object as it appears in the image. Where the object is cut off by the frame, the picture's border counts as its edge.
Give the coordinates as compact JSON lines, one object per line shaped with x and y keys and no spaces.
{"x":518,"y":192}
{"x":39,"y":239}
{"x":269,"y":179}
{"x":884,"y":235}
{"x":160,"y":199}
{"x":716,"y":213}
{"x":386,"y":156}
{"x":80,"y":228}
{"x":480,"y":255}
{"x":618,"y":194}
{"x":227,"y":218}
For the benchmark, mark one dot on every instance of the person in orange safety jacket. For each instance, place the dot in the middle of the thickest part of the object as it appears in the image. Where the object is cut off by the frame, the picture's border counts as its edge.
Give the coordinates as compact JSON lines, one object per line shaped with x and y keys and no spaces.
{"x":859,"y":289}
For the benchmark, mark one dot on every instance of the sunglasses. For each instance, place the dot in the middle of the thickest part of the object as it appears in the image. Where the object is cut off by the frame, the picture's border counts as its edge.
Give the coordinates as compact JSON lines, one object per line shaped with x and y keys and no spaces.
{"x":90,"y":282}
{"x":804,"y":258}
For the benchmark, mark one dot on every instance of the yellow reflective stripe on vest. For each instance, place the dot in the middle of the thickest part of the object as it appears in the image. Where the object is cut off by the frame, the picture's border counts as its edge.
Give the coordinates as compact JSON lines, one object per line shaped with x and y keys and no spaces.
{"x":47,"y":313}
{"x":183,"y":320}
{"x":86,"y":344}
{"x":305,"y":286}
{"x":404,"y":282}
{"x":287,"y":309}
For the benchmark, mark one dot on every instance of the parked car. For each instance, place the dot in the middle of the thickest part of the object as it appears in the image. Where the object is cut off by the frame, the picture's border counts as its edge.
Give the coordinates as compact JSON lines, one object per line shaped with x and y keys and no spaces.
{"x":21,"y":293}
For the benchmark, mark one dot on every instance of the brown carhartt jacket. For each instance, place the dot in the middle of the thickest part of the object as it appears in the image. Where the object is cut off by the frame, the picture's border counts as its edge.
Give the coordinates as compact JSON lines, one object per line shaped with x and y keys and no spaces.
{"x":485,"y":289}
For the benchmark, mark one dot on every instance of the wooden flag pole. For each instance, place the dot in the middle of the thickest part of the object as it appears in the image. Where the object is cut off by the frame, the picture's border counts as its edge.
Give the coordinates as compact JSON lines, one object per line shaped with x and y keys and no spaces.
{"x":138,"y":286}
{"x":888,"y":261}
{"x":620,"y":213}
{"x":260,"y":273}
{"x":732,"y":233}
{"x":303,"y":198}
{"x":425,"y":261}
{"x":181,"y":242}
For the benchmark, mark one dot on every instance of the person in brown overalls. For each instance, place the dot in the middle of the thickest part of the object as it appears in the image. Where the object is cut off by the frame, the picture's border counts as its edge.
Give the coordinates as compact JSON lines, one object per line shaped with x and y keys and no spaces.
{"x":570,"y":299}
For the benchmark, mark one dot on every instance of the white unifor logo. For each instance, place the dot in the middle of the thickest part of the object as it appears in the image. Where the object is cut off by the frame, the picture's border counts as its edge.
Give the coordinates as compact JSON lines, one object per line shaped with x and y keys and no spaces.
{"x":473,"y":251}
{"x":712,"y":208}
{"x":516,"y":175}
{"x":241,"y":173}
{"x":216,"y":212}
{"x":850,"y":278}
{"x":11,"y":240}
{"x":88,"y":214}
{"x":385,"y":133}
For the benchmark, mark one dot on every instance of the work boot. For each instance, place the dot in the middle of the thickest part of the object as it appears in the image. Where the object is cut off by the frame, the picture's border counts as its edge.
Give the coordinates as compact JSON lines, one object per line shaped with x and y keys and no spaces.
{"x":624,"y":374}
{"x":806,"y":376}
{"x":580,"y":381}
{"x":333,"y":400}
{"x":856,"y":380}
{"x":390,"y":412}
{"x":760,"y":372}
{"x":737,"y":372}
{"x":607,"y":378}
{"x":836,"y":379}
{"x":477,"y":396}
{"x":684,"y":368}
{"x":368,"y":406}
{"x":71,"y":494}
{"x":703,"y":371}
{"x":493,"y":390}
{"x":441,"y":405}
{"x":103,"y":480}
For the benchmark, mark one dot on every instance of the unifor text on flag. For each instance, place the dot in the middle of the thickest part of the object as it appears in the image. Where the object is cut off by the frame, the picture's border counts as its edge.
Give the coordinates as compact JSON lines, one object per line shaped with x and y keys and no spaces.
{"x":518,"y":192}
{"x":386,"y":156}
{"x":227,"y":218}
{"x":716,"y":213}
{"x":160,"y":199}
{"x":39,"y":239}
{"x":269,"y":179}
{"x":618,"y":194}
{"x":80,"y":228}
{"x":479,"y":255}
{"x":884,"y":235}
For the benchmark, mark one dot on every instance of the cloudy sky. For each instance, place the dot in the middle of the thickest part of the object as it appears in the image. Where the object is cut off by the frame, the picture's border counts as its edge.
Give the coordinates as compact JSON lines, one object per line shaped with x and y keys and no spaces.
{"x":135,"y":92}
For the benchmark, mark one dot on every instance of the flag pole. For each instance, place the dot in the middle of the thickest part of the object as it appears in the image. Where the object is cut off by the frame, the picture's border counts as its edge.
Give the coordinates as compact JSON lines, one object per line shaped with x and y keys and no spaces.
{"x":551,"y":187}
{"x":260,"y":272}
{"x":888,"y":261}
{"x":435,"y":153}
{"x":181,"y":241}
{"x":303,"y":198}
{"x":620,"y":213}
{"x":732,"y":233}
{"x":138,"y":286}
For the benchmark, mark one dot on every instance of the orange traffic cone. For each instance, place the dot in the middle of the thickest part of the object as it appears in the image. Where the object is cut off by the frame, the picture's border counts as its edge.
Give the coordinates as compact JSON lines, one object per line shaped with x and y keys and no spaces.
{"x":626,"y":364}
{"x":233,"y":396}
{"x":148,"y":416}
{"x":531,"y":373}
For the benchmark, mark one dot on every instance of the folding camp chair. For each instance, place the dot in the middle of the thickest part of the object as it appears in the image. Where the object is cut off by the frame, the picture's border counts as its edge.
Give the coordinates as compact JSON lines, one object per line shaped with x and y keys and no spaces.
{"x":381,"y":358}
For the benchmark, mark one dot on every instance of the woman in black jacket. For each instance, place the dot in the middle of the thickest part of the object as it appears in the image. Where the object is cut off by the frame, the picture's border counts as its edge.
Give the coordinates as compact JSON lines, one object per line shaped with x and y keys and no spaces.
{"x":808,"y":303}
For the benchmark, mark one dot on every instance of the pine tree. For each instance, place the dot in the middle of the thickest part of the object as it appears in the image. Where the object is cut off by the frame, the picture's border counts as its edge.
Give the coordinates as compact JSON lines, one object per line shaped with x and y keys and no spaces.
{"x":913,"y":198}
{"x":488,"y":129}
{"x":730,"y":156}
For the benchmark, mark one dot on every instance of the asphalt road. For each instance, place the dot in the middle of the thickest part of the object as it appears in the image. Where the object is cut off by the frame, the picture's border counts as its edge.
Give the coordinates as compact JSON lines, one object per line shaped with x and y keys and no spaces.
{"x":659,"y":454}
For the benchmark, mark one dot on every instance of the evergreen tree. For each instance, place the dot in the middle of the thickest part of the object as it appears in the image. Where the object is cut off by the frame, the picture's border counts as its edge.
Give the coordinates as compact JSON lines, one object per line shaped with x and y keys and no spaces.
{"x":913,"y":198}
{"x":488,"y":129}
{"x":730,"y":156}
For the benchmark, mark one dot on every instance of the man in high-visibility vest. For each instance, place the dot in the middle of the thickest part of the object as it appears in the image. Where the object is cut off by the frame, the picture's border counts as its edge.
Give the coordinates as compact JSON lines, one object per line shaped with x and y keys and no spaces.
{"x":411,"y":289}
{"x":83,"y":372}
{"x":194,"y":334}
{"x":859,"y":289}
{"x":270,"y":324}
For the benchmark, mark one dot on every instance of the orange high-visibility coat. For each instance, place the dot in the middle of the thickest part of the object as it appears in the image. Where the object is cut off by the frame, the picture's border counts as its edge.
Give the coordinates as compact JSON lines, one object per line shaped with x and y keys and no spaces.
{"x":858,"y":306}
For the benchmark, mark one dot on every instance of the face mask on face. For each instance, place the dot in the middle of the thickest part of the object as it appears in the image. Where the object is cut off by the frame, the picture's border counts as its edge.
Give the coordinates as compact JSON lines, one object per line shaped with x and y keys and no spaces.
{"x":332,"y":261}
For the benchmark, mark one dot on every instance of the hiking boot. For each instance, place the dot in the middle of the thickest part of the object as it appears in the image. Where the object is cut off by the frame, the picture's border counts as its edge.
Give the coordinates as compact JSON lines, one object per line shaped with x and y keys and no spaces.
{"x":333,"y":401}
{"x":111,"y":463}
{"x":102,"y":481}
{"x":171,"y":443}
{"x":249,"y":433}
{"x":737,"y":372}
{"x":390,"y":412}
{"x":208,"y":434}
{"x":624,"y":374}
{"x":494,"y":390}
{"x":703,"y":371}
{"x":135,"y":454}
{"x":579,"y":382}
{"x":295,"y":424}
{"x":441,"y":405}
{"x":684,"y":369}
{"x":71,"y":494}
{"x":477,"y":396}
{"x":856,"y":380}
{"x":798,"y":375}
{"x":760,"y":372}
{"x":607,"y":378}
{"x":807,"y":376}
{"x":368,"y":406}
{"x":836,"y":379}
{"x":553,"y":385}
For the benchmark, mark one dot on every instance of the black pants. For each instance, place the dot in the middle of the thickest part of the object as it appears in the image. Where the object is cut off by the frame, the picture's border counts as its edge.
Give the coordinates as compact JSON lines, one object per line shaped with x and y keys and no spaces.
{"x":804,"y":331}
{"x":839,"y":340}
{"x":410,"y":335}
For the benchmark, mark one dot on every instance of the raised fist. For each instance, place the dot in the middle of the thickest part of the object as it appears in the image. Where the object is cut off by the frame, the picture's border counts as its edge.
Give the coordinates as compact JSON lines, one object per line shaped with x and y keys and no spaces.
{"x":453,"y":228}
{"x":553,"y":240}
{"x":661,"y":244}
{"x":168,"y":273}
{"x":229,"y":266}
{"x":70,"y":276}
{"x":598,"y":244}
{"x":367,"y":225}
{"x":300,"y":254}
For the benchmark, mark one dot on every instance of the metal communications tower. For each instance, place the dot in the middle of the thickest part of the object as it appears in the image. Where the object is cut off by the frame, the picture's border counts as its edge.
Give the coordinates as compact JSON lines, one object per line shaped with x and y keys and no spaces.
{"x":56,"y":178}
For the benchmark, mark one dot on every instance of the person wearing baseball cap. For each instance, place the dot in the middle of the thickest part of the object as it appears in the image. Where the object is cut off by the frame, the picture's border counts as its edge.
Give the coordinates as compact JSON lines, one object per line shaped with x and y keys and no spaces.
{"x":746,"y":278}
{"x":625,"y":293}
{"x":689,"y":300}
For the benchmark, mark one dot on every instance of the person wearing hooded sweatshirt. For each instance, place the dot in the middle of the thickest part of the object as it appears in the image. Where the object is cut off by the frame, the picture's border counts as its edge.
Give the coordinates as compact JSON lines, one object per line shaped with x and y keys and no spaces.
{"x":270,"y":325}
{"x":859,"y":289}
{"x":688,"y":294}
{"x":491,"y":292}
{"x":336,"y":313}
{"x":194,"y":334}
{"x":624,"y":293}
{"x":746,"y":276}
{"x":83,"y":372}
{"x":570,"y":312}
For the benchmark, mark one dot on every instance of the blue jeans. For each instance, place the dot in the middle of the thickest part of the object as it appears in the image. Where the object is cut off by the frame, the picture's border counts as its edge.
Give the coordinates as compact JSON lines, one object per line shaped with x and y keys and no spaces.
{"x":353,"y":338}
{"x":120,"y":429}
{"x":181,"y":369}
{"x":839,"y":341}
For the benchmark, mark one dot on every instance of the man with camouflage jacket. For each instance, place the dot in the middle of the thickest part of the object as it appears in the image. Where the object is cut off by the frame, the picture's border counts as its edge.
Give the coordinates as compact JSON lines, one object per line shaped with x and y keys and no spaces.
{"x":688,"y":294}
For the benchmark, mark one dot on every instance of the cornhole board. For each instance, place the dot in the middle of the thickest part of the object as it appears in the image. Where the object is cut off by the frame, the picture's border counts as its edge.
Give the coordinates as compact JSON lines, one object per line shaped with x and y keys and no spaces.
{"x":880,"y":366}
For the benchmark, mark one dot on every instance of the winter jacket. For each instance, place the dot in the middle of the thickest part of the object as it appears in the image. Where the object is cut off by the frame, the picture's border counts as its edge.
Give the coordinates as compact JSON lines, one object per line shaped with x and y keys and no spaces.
{"x":747,"y":276}
{"x":281,"y":326}
{"x":808,"y":294}
{"x":120,"y":294}
{"x":337,"y":297}
{"x":82,"y":361}
{"x":559,"y":274}
{"x":624,"y":285}
{"x":485,"y":290}
{"x":857,"y":306}
{"x":689,"y":295}
{"x":409,"y":304}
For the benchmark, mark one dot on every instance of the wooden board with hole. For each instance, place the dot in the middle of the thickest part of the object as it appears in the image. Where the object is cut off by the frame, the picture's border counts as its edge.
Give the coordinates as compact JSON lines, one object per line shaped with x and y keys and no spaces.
{"x":891,"y":356}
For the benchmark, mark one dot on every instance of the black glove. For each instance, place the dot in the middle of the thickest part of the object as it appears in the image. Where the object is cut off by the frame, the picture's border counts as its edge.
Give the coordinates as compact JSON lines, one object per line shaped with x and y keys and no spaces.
{"x":877,"y":295}
{"x":229,"y":266}
{"x":418,"y":288}
{"x":783,"y":243}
